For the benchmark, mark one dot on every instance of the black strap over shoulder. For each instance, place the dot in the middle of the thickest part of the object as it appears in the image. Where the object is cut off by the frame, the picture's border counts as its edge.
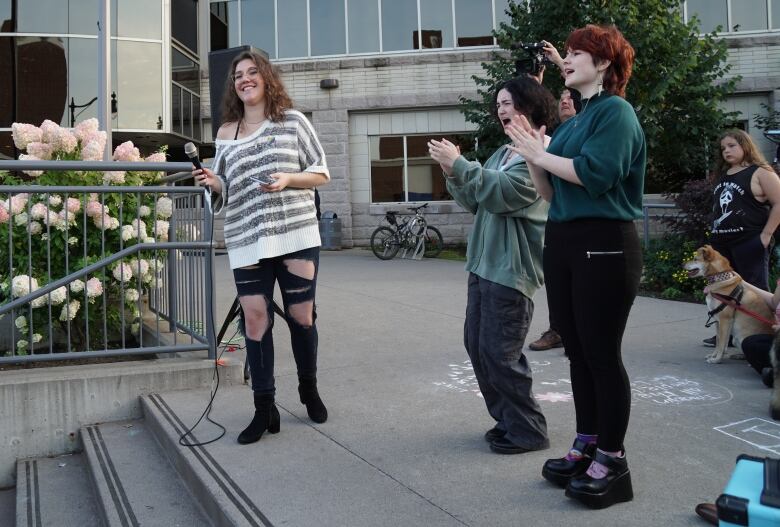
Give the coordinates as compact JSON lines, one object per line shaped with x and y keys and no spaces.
{"x":735,"y":296}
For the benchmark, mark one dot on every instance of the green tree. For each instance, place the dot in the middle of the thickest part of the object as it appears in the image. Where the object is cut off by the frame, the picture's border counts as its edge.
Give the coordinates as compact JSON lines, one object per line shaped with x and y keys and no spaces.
{"x":676,"y":87}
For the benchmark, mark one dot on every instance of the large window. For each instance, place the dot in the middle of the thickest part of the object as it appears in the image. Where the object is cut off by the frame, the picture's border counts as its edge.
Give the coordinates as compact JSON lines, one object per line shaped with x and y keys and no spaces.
{"x":402,"y":170}
{"x":735,"y":16}
{"x":293,"y":29}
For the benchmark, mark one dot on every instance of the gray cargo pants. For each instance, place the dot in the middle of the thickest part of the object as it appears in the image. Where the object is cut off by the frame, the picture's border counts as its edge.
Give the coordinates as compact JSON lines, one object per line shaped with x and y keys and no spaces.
{"x":497,"y":320}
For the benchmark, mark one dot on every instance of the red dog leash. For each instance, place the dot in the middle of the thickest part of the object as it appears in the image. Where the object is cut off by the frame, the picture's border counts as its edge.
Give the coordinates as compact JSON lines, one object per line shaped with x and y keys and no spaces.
{"x":732,"y":302}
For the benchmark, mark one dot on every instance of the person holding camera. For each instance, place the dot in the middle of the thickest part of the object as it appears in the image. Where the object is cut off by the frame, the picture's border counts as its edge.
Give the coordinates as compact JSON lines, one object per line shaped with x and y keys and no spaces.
{"x":550,"y":337}
{"x":268,"y":161}
{"x":504,"y":264}
{"x":593,"y":175}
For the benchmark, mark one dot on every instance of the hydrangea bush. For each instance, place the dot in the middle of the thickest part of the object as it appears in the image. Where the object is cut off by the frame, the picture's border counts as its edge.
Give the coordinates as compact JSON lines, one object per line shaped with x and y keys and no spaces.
{"x":66,"y":232}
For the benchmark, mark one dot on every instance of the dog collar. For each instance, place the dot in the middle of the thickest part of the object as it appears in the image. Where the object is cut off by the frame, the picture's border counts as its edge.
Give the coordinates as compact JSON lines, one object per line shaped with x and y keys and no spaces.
{"x":719,"y":277}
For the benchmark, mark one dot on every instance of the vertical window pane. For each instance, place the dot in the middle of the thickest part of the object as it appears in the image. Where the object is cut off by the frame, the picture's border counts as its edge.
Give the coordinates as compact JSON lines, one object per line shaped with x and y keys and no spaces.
{"x":399,"y":24}
{"x":82,"y":78}
{"x":184,"y":21}
{"x":6,"y":83}
{"x":748,"y":15}
{"x":257,"y":25}
{"x":474,"y":20}
{"x":186,"y":107}
{"x":5,"y":16}
{"x":40,"y":58}
{"x":363,"y":26}
{"x":138,"y":84}
{"x":387,"y":168}
{"x":196,"y":125}
{"x":501,"y":15}
{"x":224,"y":25}
{"x":328,"y":33}
{"x":176,"y":108}
{"x":142,"y":19}
{"x":293,"y":41}
{"x":83,"y":15}
{"x":42,"y":16}
{"x":436,"y":22}
{"x":7,"y":149}
{"x":426,"y":180}
{"x":711,"y":14}
{"x":775,"y":14}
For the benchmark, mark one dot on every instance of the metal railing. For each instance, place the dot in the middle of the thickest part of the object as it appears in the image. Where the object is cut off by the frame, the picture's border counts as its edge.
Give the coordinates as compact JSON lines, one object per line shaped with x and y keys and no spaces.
{"x":104,"y":270}
{"x":650,"y":220}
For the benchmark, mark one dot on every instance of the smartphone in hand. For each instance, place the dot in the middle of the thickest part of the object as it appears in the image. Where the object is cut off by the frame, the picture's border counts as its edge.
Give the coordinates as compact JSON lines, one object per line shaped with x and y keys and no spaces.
{"x":262,"y":179}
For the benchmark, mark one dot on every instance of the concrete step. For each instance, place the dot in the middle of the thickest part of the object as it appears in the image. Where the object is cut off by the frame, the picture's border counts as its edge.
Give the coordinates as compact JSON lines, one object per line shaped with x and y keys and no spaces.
{"x":136,"y":485}
{"x":299,"y":477}
{"x":55,"y":491}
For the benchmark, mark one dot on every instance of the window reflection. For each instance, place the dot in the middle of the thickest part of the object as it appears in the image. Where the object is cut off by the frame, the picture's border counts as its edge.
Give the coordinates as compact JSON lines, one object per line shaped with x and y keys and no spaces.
{"x":327,"y":32}
{"x":83,"y":15}
{"x":224,"y":25}
{"x":184,"y":23}
{"x":291,"y":21}
{"x":5,"y":16}
{"x":474,"y":20}
{"x":748,"y":15}
{"x":41,"y":79}
{"x":775,"y":14}
{"x":196,"y":133}
{"x":387,"y":169}
{"x":436,"y":23}
{"x":186,"y":107}
{"x":6,"y":82}
{"x":42,"y":16}
{"x":185,"y":71}
{"x":176,"y":108}
{"x":711,"y":13}
{"x":138,"y":84}
{"x":399,"y":23}
{"x":142,"y":19}
{"x":82,"y":78}
{"x":7,"y":146}
{"x":363,"y":26}
{"x":257,"y":25}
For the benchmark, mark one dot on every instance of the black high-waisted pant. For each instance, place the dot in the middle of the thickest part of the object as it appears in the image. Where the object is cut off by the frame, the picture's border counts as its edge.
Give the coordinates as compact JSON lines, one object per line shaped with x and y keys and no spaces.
{"x":592,"y":269}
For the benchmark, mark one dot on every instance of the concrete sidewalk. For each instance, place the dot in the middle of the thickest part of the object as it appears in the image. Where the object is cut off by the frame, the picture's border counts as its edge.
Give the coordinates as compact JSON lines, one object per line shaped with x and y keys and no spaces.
{"x":403,"y":444}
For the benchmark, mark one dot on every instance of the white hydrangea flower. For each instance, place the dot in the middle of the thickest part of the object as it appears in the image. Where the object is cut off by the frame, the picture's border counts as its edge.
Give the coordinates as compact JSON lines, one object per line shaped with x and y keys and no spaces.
{"x":21,"y":322}
{"x":20,"y":219}
{"x":38,"y":211}
{"x":34,"y":228}
{"x":58,"y":296}
{"x":76,"y":286}
{"x":37,"y":337}
{"x":69,"y":310}
{"x":122,"y":272}
{"x":135,"y":328}
{"x":139,"y":267}
{"x":128,"y":232}
{"x":94,"y":287}
{"x":131,"y":295}
{"x":164,"y":207}
{"x":144,"y":211}
{"x":22,"y":344}
{"x":39,"y":302}
{"x":73,"y":240}
{"x":55,"y":200}
{"x":22,"y":285}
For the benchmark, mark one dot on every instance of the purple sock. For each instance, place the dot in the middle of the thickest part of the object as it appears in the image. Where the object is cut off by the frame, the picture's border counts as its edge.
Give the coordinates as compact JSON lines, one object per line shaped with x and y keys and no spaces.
{"x":576,"y":455}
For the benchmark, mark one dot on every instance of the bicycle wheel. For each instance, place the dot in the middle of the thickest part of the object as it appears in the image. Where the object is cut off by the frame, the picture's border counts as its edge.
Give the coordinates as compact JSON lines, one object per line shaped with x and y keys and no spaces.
{"x":434,"y":242}
{"x":384,"y":243}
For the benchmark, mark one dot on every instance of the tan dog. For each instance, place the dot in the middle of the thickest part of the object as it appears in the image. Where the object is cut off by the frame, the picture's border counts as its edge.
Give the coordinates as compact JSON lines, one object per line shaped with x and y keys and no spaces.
{"x":722,"y":279}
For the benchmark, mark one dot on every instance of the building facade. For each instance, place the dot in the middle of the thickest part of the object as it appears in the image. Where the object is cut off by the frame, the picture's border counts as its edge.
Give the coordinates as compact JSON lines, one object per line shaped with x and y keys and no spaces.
{"x":393,"y":70}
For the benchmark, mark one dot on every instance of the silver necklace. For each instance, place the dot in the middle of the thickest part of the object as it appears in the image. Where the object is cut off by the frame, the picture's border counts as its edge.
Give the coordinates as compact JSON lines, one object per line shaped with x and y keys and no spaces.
{"x":576,"y":117}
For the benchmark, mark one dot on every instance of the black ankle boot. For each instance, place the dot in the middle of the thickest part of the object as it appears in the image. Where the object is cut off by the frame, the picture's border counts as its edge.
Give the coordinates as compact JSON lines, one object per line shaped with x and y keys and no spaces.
{"x":560,"y":470}
{"x":266,"y":418}
{"x":615,"y":487}
{"x":307,"y":389}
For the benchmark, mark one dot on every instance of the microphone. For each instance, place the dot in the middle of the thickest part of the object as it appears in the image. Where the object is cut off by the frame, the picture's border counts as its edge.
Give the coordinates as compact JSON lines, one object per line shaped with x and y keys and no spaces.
{"x":192,"y":152}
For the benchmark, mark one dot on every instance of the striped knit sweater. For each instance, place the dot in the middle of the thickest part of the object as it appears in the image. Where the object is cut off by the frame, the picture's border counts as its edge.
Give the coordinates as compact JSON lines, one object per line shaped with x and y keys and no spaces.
{"x":267,"y":224}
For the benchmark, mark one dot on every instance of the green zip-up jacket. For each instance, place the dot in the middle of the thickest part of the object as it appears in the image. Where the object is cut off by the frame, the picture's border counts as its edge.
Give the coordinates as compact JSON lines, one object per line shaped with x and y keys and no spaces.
{"x":505,"y":244}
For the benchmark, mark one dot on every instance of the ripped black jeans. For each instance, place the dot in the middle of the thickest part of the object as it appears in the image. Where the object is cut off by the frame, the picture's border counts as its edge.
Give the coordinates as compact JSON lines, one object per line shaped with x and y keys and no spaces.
{"x":260,"y":279}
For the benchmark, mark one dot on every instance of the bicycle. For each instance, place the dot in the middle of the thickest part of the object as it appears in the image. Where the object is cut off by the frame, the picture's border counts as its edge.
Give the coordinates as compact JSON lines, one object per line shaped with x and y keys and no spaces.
{"x":412,"y":233}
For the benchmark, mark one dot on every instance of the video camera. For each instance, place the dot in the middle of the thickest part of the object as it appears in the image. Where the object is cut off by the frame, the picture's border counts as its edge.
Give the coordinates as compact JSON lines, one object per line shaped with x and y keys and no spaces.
{"x":534,"y":62}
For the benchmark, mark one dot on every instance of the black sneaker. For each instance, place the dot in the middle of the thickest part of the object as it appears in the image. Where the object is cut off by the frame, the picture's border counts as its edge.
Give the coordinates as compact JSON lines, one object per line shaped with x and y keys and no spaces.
{"x":710,"y":341}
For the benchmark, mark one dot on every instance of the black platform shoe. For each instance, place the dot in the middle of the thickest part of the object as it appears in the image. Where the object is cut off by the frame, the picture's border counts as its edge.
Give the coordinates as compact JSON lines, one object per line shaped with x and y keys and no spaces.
{"x":307,"y":390}
{"x":493,"y":434}
{"x":615,"y":487}
{"x":560,"y":470}
{"x":266,"y":418}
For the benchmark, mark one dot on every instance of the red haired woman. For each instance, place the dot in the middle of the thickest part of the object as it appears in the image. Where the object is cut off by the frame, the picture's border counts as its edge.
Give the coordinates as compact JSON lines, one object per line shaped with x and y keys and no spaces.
{"x":593,"y":175}
{"x":267,"y":163}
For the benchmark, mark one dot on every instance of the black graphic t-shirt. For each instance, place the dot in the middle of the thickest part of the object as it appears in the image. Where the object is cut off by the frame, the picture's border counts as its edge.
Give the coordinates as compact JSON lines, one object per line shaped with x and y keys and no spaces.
{"x":738,"y":214}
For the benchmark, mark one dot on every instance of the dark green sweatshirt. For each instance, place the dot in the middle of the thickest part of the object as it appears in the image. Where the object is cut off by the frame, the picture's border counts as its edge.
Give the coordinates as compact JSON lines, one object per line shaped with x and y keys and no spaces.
{"x":608,"y":147}
{"x":505,"y":244}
